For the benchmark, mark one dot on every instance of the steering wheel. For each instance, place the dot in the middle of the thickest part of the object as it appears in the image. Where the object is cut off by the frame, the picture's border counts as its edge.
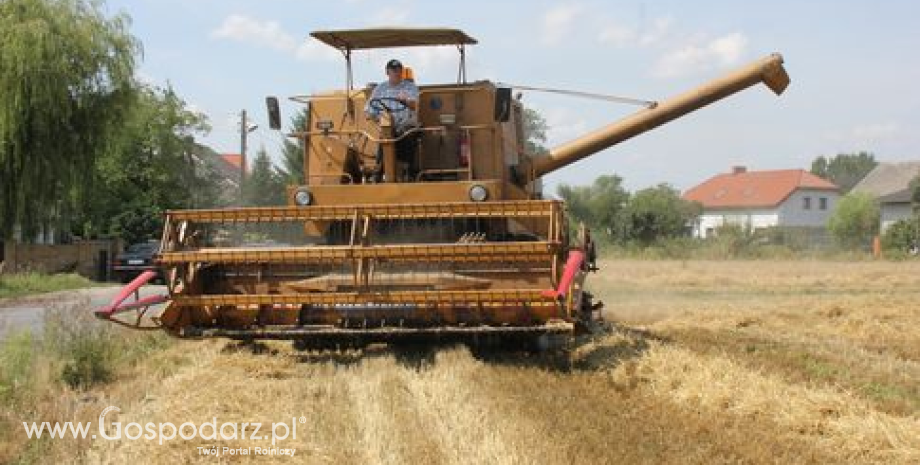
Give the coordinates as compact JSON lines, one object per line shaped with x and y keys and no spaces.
{"x":384,"y":104}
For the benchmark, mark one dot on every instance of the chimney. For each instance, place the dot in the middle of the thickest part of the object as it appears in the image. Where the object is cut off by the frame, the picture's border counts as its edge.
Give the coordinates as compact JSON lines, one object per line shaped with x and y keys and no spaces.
{"x":739,"y":169}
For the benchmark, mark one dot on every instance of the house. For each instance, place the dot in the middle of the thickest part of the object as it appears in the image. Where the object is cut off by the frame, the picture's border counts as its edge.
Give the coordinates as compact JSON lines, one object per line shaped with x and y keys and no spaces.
{"x":889,"y":183}
{"x":894,"y":207}
{"x":234,"y":161}
{"x":763,"y":199}
{"x":224,"y":169}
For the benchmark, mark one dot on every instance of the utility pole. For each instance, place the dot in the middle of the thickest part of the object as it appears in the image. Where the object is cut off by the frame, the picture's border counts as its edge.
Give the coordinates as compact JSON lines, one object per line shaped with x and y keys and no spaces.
{"x":245,"y":129}
{"x":244,"y":133}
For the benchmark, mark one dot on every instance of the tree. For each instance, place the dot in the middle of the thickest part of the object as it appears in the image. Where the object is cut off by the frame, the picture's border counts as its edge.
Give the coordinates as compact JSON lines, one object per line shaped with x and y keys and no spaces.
{"x":293,"y":152}
{"x":264,"y":185}
{"x":855,"y":221}
{"x":148,"y":168}
{"x":845,"y":169}
{"x":656,"y":213}
{"x":535,"y":128}
{"x":66,"y":80}
{"x":598,"y":205}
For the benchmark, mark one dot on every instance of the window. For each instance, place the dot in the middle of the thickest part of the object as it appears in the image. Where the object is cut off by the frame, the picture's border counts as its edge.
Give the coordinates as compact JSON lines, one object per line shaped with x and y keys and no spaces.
{"x":806,"y":203}
{"x":822,"y":203}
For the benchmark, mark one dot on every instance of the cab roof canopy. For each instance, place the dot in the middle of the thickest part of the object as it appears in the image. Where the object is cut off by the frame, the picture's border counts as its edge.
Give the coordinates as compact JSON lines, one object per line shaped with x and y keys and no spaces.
{"x":358,"y":39}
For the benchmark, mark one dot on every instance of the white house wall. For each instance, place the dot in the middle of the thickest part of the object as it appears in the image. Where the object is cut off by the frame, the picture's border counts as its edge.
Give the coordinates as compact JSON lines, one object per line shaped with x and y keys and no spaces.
{"x":892,"y":212}
{"x":791,"y":212}
{"x":712,"y":220}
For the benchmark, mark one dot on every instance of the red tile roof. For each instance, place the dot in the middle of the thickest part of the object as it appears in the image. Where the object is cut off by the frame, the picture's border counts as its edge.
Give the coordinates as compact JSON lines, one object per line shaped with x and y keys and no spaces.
{"x":234,"y":159}
{"x":745,"y":189}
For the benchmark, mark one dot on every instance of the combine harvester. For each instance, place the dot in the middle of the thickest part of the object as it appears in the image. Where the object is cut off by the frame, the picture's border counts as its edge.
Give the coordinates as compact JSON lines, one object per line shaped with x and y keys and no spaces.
{"x":458,"y":245}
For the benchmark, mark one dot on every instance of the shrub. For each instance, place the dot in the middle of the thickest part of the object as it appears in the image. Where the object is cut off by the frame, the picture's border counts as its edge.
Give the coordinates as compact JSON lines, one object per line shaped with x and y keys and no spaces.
{"x":656,"y":213}
{"x":902,"y":236}
{"x":90,"y":362}
{"x":855,"y":221}
{"x":90,"y":351}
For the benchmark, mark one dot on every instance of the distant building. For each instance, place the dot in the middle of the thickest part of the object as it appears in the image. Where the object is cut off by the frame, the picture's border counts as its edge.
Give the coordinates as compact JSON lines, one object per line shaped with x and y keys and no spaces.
{"x":234,"y":160}
{"x":224,"y":169}
{"x":889,"y":183}
{"x":763,"y":199}
{"x":894,"y":207}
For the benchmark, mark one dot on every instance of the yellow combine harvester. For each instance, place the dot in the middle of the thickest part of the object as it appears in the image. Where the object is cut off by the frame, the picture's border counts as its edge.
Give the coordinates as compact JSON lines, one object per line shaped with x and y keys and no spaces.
{"x":450,"y":239}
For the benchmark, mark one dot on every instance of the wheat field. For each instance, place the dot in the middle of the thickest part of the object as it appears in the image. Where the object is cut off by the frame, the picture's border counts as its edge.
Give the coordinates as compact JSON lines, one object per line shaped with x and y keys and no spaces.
{"x":708,"y":362}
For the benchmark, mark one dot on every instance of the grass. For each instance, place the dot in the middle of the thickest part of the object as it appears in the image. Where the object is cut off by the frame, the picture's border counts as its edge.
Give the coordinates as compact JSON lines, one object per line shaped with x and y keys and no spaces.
{"x":62,"y":374}
{"x":757,"y":361}
{"x":21,"y":284}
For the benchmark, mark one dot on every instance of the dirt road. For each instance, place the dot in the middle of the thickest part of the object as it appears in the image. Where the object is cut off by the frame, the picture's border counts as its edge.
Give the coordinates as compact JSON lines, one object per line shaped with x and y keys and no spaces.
{"x":21,"y":313}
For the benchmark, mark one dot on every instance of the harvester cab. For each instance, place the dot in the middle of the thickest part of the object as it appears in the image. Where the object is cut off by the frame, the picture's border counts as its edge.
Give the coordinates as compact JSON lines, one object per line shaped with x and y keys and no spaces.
{"x":463,"y":142}
{"x":436,"y":230}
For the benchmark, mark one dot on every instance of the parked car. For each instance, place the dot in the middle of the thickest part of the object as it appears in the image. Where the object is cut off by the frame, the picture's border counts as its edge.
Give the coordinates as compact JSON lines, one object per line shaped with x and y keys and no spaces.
{"x":136,"y":259}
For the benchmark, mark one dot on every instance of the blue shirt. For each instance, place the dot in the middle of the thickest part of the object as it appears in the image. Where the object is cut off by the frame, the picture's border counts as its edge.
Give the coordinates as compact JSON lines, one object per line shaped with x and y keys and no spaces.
{"x":402,"y":118}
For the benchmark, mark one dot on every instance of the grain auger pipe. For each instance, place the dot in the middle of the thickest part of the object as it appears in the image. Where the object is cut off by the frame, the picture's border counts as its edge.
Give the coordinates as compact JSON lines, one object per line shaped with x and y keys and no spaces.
{"x":768,"y":70}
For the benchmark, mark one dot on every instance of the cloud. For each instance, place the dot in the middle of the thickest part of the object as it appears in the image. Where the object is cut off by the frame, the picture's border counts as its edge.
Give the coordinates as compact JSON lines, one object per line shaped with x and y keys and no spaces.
{"x":876,"y":131}
{"x":622,"y":36}
{"x":702,"y":55}
{"x":249,"y":30}
{"x":270,"y":34}
{"x":558,"y":21}
{"x":659,"y":31}
{"x":617,"y":35}
{"x":867,"y":135}
{"x":390,"y":16}
{"x":564,"y":125}
{"x":681,"y":53}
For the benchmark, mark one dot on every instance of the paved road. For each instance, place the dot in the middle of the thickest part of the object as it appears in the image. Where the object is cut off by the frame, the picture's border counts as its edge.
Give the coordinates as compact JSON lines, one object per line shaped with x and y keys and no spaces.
{"x":26,"y":312}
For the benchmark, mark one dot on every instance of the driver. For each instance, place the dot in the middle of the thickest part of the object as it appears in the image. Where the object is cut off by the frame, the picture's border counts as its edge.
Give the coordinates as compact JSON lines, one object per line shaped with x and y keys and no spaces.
{"x":397,"y":88}
{"x":403,"y":113}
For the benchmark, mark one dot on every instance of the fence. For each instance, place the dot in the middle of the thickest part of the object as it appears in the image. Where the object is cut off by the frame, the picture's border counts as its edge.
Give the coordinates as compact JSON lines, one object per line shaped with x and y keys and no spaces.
{"x":91,"y":259}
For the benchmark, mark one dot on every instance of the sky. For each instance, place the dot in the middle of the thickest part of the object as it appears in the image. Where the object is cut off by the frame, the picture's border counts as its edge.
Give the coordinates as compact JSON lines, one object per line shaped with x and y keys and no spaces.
{"x":854,"y":67}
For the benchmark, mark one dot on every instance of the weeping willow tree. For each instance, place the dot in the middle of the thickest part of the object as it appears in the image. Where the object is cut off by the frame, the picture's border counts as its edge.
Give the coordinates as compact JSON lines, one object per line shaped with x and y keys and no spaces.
{"x":66,"y":79}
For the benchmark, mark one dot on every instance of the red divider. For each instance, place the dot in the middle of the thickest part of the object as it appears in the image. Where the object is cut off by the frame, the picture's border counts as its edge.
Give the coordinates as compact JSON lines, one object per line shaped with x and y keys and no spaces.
{"x":572,"y":265}
{"x":117,"y":305}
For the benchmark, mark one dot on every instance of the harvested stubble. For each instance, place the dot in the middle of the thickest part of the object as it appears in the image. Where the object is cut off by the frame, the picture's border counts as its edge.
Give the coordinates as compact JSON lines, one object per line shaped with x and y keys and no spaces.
{"x":713,"y":362}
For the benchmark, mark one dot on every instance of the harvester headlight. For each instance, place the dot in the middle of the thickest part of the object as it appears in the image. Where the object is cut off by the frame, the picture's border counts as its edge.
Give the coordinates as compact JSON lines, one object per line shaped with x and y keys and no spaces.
{"x":303,"y":197}
{"x":478,"y":193}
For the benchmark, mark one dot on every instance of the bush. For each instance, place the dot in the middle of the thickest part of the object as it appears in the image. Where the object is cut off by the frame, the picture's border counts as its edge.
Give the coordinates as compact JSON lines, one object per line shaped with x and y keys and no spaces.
{"x":855,"y":221}
{"x":656,"y":213}
{"x":902,"y":236}
{"x":90,"y":351}
{"x":90,"y":362}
